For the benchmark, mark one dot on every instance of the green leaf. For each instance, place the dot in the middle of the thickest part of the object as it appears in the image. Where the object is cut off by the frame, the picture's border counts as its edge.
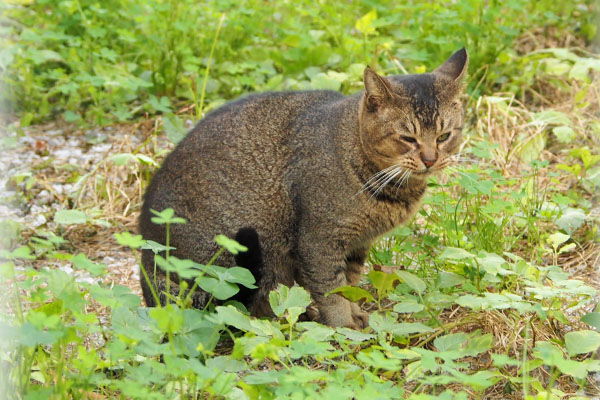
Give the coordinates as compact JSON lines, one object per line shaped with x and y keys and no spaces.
{"x":581,"y":342}
{"x":70,"y":217}
{"x":551,"y":117}
{"x":70,"y":116}
{"x":330,"y":81}
{"x":586,"y":157}
{"x":229,"y":244}
{"x":10,"y":233}
{"x":564,"y":134}
{"x":455,"y":254}
{"x":166,"y":216}
{"x":408,"y":307}
{"x":22,"y":252}
{"x":82,"y":262}
{"x":309,"y":347}
{"x":174,"y":128}
{"x":556,"y":239}
{"x":198,"y":333}
{"x":557,"y":67}
{"x":354,"y":335}
{"x":413,"y":281}
{"x":386,"y":323}
{"x":169,"y":318}
{"x":365,"y":23}
{"x":474,"y":184}
{"x":30,"y":336}
{"x":221,"y":289}
{"x":240,"y":275}
{"x":115,"y":297}
{"x":129,"y":240}
{"x":492,"y":263}
{"x":122,"y":158}
{"x":501,"y":360}
{"x":352,"y":293}
{"x":315,"y":331}
{"x":383,"y":282}
{"x":571,"y":220}
{"x":478,"y":344}
{"x":409,"y":328}
{"x":450,"y":342}
{"x":592,"y":319}
{"x":230,"y":315}
{"x":532,"y":148}
{"x":284,"y":298}
{"x":449,"y":279}
{"x":155,"y":246}
{"x":574,"y":169}
{"x":163,"y":105}
{"x":186,"y":269}
{"x":262,"y":377}
{"x":376,"y":359}
{"x":144,"y":159}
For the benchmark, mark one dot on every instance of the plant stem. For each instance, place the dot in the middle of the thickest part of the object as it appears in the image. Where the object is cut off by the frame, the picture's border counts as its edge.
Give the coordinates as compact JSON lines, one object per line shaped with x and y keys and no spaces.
{"x":200,"y":107}
{"x":168,"y":283}
{"x":524,"y":362}
{"x":195,"y":285}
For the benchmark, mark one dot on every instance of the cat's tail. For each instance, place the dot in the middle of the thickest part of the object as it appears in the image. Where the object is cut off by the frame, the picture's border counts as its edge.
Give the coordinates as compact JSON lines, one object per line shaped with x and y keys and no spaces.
{"x":252,"y":259}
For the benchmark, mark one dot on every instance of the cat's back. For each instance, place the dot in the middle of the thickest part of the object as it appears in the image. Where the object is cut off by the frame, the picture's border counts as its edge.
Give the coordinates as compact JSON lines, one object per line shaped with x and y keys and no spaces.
{"x":236,"y":154}
{"x":252,"y":125}
{"x":269,"y":109}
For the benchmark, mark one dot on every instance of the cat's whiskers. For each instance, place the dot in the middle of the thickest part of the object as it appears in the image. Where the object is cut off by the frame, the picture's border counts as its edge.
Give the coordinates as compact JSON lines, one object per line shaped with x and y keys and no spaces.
{"x":403,"y":179}
{"x":452,"y":160}
{"x":459,"y":158}
{"x":390,"y":176}
{"x":378,"y":178}
{"x":455,"y":170}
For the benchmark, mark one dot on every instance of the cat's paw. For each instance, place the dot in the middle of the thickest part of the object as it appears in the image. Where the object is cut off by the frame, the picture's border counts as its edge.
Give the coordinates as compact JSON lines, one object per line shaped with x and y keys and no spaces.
{"x":343,"y":313}
{"x":360,"y":318}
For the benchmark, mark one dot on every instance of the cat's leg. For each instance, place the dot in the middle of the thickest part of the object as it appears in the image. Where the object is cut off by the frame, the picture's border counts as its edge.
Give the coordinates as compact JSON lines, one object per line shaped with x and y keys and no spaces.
{"x":277,"y":269}
{"x":354,"y":268}
{"x":323,"y":270}
{"x":355,"y":262}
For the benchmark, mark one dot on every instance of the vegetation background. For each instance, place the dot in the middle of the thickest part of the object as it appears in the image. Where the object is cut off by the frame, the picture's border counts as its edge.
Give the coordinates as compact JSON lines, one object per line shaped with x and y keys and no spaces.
{"x":490,"y":292}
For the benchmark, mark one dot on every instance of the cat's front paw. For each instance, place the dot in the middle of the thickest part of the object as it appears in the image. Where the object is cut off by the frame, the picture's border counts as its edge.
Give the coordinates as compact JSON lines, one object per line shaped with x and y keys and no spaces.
{"x":359,"y":317}
{"x":341,"y":312}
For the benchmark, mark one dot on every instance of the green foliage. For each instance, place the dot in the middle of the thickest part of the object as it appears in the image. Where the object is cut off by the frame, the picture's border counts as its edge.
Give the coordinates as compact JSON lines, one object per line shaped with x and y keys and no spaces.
{"x":116,"y":60}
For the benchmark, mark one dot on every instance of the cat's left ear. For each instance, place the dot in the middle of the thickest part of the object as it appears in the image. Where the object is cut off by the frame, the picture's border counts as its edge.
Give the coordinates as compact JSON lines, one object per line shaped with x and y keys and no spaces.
{"x":455,"y":66}
{"x":377,"y":89}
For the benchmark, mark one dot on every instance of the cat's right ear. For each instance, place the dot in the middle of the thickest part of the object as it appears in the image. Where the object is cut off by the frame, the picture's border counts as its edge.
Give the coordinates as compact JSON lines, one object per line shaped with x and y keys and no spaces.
{"x":377,"y":89}
{"x":455,"y":66}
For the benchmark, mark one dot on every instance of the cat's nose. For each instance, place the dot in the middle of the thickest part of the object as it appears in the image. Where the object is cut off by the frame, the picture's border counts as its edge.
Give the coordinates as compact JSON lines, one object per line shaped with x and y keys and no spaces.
{"x":428,"y":163}
{"x":428,"y":159}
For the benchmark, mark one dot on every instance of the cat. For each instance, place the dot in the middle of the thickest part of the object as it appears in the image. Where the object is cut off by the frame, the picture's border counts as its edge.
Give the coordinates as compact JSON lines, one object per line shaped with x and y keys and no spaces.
{"x":308,"y":180}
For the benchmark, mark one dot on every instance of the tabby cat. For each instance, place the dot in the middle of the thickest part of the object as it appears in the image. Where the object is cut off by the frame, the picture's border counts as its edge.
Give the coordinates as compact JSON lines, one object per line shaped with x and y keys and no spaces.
{"x":308,"y":180}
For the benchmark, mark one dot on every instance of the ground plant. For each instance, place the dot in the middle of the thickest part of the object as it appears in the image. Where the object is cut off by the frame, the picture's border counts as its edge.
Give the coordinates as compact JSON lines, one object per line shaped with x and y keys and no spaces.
{"x":489,"y":293}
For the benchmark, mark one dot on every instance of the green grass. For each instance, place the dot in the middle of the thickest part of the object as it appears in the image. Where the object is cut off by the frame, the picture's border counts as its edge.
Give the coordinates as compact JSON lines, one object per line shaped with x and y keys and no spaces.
{"x":488,"y":293}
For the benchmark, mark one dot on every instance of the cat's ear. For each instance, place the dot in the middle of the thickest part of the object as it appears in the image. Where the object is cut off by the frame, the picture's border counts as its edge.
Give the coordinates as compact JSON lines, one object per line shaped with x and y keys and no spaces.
{"x":455,"y":66}
{"x":377,"y":89}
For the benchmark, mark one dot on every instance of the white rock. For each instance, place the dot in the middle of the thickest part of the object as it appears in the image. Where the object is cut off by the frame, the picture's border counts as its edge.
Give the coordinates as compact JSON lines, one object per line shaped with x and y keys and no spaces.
{"x":39,"y":220}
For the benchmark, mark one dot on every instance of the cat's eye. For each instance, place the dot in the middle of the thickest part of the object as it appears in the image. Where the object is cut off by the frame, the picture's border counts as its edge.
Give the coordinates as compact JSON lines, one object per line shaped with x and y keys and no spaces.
{"x":443,"y":137}
{"x":409,"y":139}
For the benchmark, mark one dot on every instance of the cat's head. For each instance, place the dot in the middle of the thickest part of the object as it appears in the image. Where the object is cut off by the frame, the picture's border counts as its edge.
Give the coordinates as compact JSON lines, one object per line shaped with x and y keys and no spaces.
{"x":413,"y":122}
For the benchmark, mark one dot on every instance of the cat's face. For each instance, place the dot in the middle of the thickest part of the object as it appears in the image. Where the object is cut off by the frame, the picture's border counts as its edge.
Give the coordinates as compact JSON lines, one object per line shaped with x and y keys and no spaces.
{"x":411,"y":125}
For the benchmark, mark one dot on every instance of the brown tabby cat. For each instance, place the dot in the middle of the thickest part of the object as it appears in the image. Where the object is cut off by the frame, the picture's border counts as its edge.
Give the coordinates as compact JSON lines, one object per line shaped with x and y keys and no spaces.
{"x":308,"y":181}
